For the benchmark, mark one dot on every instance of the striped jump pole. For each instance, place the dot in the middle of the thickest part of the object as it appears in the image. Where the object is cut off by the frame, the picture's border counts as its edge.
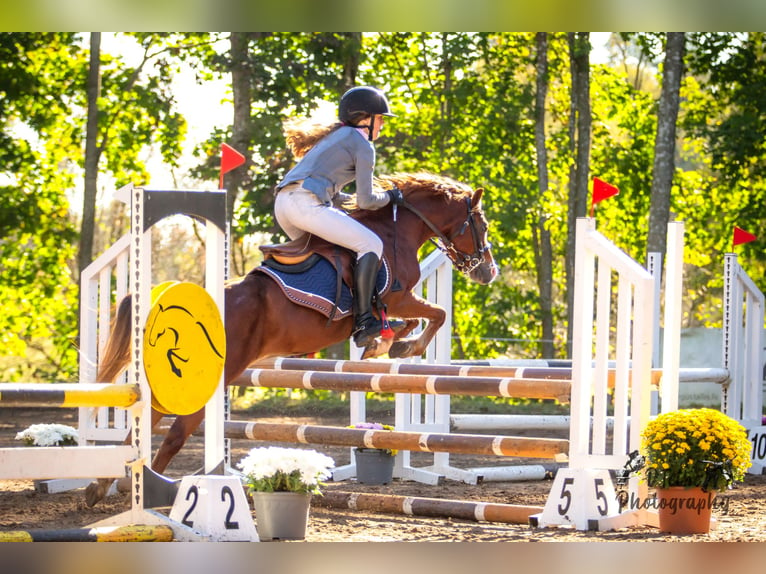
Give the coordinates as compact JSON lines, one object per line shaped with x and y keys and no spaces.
{"x":128,"y":533}
{"x":397,"y":368}
{"x":430,"y":507}
{"x":464,"y":370}
{"x":528,"y":447}
{"x":414,"y":384}
{"x":68,"y":395}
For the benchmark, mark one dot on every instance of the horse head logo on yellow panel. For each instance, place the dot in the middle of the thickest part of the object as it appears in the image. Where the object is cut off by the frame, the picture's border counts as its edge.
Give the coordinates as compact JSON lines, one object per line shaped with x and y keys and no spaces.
{"x":184,"y":347}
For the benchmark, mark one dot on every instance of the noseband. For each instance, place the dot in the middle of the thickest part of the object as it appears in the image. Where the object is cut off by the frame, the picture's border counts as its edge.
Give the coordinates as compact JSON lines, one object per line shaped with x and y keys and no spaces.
{"x":463,"y":262}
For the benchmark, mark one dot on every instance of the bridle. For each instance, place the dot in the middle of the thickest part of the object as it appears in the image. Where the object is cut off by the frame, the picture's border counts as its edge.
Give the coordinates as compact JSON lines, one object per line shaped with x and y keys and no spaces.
{"x":463,"y":262}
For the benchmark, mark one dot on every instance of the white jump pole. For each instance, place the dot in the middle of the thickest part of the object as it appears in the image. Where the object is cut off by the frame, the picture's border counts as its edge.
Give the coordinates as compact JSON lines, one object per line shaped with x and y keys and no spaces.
{"x":671,"y":344}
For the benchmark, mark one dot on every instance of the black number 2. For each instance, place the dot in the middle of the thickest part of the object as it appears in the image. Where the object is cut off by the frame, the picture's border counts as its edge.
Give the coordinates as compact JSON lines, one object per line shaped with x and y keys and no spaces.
{"x":228,"y":523}
{"x":193,"y":492}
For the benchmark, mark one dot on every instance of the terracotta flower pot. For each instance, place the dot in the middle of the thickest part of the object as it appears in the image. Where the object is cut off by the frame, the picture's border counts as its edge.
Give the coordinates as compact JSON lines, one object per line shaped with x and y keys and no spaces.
{"x":684,"y":510}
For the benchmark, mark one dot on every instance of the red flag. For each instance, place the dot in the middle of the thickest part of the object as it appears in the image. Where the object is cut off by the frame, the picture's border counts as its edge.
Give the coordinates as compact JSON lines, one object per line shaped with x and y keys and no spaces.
{"x":741,"y":236}
{"x":230,"y":159}
{"x":601,"y":190}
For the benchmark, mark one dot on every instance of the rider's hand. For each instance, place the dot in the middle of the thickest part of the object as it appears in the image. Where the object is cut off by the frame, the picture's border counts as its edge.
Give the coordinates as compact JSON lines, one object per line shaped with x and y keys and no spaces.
{"x":396,"y":196}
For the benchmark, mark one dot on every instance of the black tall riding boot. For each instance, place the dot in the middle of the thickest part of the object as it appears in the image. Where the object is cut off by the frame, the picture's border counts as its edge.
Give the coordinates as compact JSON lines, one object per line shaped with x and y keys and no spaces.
{"x":366,"y":325}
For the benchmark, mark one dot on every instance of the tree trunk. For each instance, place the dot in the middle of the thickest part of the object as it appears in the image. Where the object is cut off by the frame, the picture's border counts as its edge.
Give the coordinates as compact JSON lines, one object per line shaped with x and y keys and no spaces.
{"x":92,"y":153}
{"x":352,"y":56}
{"x":579,"y":53}
{"x":665,"y":143}
{"x":541,"y":236}
{"x":241,"y":129}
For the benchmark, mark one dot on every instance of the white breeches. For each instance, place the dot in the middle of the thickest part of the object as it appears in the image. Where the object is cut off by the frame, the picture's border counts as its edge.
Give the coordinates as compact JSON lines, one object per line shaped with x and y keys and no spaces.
{"x":299,"y":211}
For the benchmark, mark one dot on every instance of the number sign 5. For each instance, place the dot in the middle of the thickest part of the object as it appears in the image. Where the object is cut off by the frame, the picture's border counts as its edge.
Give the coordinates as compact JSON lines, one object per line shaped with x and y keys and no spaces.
{"x":578,"y":497}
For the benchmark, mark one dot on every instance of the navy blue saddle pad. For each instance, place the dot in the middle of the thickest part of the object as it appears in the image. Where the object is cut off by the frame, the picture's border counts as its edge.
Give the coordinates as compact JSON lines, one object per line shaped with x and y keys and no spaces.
{"x":315,"y":285}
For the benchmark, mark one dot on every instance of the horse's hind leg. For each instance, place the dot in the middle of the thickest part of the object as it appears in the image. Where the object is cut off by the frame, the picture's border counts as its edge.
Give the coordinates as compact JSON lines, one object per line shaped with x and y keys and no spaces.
{"x":179,"y":431}
{"x":96,"y":490}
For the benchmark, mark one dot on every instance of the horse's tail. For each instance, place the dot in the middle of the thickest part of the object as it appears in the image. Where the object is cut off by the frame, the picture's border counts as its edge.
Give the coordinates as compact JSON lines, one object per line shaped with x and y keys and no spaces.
{"x":117,"y":353}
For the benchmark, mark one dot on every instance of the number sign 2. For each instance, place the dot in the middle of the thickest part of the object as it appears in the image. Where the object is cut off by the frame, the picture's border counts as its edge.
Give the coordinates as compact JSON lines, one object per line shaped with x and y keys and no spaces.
{"x":216,"y":507}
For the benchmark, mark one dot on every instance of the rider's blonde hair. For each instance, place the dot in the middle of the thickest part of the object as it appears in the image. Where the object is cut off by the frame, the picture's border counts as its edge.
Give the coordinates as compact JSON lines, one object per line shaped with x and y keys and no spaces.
{"x":301,"y":134}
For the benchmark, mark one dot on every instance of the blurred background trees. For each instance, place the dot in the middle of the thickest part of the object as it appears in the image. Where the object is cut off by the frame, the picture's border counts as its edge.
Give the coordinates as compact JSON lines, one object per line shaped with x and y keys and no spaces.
{"x":676,"y":122}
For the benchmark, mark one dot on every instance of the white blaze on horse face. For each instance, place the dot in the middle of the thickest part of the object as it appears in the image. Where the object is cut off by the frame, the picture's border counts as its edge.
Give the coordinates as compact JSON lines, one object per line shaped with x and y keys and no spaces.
{"x":487,"y":271}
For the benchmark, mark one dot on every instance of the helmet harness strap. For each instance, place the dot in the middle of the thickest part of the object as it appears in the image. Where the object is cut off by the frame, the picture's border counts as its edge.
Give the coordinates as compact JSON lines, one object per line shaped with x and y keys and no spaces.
{"x":369,"y":127}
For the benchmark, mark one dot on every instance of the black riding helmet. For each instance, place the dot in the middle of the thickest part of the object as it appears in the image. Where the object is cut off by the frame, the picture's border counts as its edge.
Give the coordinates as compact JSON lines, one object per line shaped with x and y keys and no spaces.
{"x":363,"y":99}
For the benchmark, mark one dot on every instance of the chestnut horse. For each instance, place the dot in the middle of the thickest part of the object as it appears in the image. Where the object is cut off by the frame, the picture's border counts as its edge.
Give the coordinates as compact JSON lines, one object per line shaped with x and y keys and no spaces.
{"x":260,"y":321}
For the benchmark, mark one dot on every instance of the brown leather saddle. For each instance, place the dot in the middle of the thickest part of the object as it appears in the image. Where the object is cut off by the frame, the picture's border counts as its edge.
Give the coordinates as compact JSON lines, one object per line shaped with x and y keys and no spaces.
{"x":301,"y":250}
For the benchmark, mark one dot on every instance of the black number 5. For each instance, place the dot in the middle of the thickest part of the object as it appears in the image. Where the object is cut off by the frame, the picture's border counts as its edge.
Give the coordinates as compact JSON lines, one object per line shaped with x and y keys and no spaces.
{"x":599,"y":482}
{"x":566,"y":494}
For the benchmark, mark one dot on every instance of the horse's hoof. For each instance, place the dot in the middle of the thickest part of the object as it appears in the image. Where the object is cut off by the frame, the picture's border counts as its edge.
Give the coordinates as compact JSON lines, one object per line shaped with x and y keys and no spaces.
{"x":399,"y":350}
{"x":370,"y":351}
{"x":124,"y":484}
{"x":94,"y":493}
{"x":377,"y":348}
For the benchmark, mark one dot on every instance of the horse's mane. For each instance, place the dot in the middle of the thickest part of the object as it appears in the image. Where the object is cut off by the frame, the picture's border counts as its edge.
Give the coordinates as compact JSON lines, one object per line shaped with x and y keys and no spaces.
{"x":411,"y":183}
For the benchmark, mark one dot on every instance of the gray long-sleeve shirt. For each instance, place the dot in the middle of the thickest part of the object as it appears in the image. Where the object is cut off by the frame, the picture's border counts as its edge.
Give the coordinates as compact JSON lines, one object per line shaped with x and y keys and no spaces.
{"x":339,"y":158}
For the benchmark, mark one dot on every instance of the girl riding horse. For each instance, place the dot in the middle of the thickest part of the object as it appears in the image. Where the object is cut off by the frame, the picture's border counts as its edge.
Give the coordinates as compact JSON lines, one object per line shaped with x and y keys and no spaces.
{"x":331,"y":156}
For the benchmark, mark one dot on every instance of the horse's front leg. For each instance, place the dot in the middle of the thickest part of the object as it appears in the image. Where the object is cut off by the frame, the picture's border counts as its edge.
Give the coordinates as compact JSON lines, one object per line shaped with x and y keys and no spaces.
{"x":412,"y":306}
{"x":409,"y":326}
{"x":380,"y":346}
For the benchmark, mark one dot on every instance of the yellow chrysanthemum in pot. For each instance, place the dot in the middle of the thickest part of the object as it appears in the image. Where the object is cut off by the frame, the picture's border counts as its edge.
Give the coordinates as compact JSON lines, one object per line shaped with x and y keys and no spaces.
{"x":695,"y":447}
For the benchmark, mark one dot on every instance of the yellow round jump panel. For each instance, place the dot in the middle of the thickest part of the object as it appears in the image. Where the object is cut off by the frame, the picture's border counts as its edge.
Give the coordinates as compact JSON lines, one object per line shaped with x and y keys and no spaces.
{"x":184,"y":348}
{"x":157,"y":290}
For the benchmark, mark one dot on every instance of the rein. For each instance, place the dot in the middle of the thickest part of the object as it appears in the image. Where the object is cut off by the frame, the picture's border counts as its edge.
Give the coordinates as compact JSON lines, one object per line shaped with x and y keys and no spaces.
{"x":463,"y":262}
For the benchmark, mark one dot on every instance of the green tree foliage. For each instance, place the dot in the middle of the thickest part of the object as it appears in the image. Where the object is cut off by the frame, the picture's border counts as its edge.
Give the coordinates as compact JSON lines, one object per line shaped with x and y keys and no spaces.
{"x":42,"y":83}
{"x":137,"y":109}
{"x":289,"y":74}
{"x":466,"y":104}
{"x":727,"y":122}
{"x":623,"y":138}
{"x":36,"y":231}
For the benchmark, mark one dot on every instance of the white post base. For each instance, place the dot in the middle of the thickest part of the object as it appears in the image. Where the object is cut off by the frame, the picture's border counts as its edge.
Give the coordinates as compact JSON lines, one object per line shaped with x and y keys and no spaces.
{"x":580,"y":498}
{"x":215,"y":506}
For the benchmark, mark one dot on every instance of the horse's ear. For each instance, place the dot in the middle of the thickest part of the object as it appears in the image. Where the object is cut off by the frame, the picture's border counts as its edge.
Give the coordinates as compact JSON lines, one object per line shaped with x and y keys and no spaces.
{"x":477,"y":196}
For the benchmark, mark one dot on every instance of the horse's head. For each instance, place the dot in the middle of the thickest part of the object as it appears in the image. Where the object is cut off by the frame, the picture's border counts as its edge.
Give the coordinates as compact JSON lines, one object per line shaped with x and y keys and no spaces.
{"x":472,"y":239}
{"x":454,"y":214}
